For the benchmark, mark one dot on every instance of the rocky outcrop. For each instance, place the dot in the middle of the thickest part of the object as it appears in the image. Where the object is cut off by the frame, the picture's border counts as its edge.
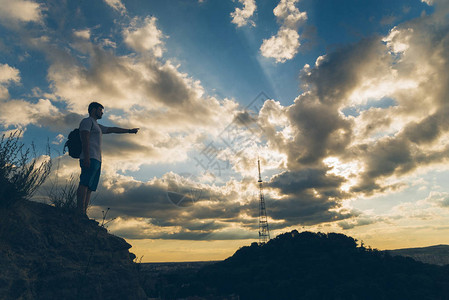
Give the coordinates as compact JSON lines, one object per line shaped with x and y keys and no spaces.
{"x":49,"y":253}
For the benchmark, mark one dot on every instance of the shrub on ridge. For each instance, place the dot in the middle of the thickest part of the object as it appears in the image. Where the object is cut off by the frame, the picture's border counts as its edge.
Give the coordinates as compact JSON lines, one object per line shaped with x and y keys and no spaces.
{"x":21,"y":171}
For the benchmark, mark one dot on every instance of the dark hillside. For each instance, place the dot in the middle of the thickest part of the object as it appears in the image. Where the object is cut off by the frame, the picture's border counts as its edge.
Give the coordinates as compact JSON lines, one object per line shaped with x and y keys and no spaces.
{"x":437,"y":255}
{"x":48,"y":253}
{"x":323,"y":266}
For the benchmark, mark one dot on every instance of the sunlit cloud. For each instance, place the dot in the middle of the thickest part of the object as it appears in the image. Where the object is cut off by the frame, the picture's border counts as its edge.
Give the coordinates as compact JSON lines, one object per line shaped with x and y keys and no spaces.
{"x":285,"y":44}
{"x":144,"y":36}
{"x":22,"y":113}
{"x":116,"y":5}
{"x":12,"y":12}
{"x":84,"y":34}
{"x":8,"y":75}
{"x":242,"y":16}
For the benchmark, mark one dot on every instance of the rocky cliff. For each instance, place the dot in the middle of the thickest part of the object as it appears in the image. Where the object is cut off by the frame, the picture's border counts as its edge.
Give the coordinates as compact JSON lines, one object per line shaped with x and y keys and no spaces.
{"x":49,"y":253}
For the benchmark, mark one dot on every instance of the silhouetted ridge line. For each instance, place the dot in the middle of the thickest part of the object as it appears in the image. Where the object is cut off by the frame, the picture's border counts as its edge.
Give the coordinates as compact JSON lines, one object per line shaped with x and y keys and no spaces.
{"x":310,"y":265}
{"x":437,"y":254}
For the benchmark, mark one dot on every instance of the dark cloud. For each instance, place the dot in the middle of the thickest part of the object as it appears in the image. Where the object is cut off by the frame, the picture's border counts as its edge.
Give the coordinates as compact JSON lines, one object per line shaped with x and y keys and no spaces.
{"x":126,"y":146}
{"x":313,"y":197}
{"x":60,"y":122}
{"x":310,"y":194}
{"x":429,"y":129}
{"x":321,"y":131}
{"x":148,"y":200}
{"x":118,"y":77}
{"x":306,"y":209}
{"x":168,"y":204}
{"x":244,"y":119}
{"x":403,"y":153}
{"x":220,"y":210}
{"x":296,"y":182}
{"x":388,"y":156}
{"x":345,"y":225}
{"x":374,"y":119}
{"x":136,"y":233}
{"x":338,"y":73}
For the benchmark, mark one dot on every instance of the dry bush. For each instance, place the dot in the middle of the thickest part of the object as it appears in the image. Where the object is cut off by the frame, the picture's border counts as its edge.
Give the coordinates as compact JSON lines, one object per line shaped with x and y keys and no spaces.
{"x":21,"y":172}
{"x":64,"y":196}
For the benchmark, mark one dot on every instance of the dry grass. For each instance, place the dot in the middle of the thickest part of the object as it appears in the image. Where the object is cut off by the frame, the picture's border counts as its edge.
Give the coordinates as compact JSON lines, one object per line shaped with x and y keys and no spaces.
{"x":21,"y":171}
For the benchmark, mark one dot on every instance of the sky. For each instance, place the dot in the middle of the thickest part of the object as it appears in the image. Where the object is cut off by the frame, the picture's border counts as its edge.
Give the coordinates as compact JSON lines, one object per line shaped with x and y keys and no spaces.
{"x":345,"y":103}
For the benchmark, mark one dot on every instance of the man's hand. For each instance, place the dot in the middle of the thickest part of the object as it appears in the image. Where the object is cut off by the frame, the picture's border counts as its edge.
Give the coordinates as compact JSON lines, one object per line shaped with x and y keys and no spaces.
{"x":134,"y":130}
{"x":86,"y":163}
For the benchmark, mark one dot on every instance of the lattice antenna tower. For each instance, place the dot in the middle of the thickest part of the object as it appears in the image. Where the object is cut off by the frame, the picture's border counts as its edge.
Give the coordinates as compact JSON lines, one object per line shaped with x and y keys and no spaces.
{"x":264,"y":232}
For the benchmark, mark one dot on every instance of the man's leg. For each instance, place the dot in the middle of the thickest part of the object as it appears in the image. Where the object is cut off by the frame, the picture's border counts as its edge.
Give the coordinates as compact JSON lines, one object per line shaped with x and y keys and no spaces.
{"x":95,"y":170}
{"x":86,"y":201}
{"x":81,"y":196}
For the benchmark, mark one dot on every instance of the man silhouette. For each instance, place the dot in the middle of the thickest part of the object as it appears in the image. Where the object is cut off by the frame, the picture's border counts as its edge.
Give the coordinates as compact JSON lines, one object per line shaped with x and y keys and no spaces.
{"x":90,"y":158}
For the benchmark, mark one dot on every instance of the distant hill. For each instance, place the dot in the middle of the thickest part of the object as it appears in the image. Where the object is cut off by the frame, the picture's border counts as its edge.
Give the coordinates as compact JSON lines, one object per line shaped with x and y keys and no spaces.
{"x":308,"y":265}
{"x":49,"y":253}
{"x":437,"y":255}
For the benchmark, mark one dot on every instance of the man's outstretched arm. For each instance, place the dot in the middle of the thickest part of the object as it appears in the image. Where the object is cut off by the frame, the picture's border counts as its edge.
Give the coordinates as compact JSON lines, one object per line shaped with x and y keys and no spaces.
{"x":121,"y":130}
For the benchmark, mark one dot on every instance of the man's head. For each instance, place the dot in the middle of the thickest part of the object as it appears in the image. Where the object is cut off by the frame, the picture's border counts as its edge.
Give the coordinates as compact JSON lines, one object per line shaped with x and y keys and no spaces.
{"x":95,"y":110}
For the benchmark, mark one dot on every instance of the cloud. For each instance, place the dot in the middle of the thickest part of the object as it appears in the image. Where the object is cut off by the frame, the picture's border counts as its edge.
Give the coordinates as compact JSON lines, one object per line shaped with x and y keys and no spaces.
{"x":140,"y":228}
{"x":439,"y":199}
{"x":241,"y":16}
{"x":84,"y":34}
{"x":20,"y":113}
{"x":138,"y":90}
{"x":419,"y":139}
{"x":429,"y":211}
{"x":116,"y":5}
{"x":41,"y":113}
{"x":155,"y":209}
{"x":338,"y":75}
{"x":310,"y":196}
{"x":388,"y":142}
{"x":288,"y":14}
{"x":359,"y":221}
{"x":306,"y":179}
{"x":58,"y":139}
{"x":8,"y":75}
{"x":167,"y":105}
{"x":285,"y":44}
{"x":332,"y":156}
{"x":144,"y":36}
{"x":372,"y":152}
{"x":13,"y":12}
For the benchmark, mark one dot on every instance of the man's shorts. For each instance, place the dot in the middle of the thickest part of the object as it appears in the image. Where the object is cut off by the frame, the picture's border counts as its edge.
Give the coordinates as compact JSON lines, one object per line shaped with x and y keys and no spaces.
{"x":90,"y":176}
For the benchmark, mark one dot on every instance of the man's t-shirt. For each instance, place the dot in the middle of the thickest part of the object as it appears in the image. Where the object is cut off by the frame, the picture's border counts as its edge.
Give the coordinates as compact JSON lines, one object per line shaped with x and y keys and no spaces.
{"x":96,"y":131}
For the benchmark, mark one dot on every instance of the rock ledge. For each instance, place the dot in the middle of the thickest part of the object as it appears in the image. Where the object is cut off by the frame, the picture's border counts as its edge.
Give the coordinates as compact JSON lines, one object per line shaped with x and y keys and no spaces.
{"x":48,"y":253}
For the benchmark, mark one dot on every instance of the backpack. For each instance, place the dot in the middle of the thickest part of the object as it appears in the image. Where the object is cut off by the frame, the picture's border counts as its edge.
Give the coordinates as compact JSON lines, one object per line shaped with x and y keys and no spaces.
{"x":74,"y":144}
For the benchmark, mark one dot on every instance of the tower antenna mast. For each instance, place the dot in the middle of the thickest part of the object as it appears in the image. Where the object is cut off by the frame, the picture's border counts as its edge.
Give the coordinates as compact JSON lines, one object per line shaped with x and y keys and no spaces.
{"x":264,"y":232}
